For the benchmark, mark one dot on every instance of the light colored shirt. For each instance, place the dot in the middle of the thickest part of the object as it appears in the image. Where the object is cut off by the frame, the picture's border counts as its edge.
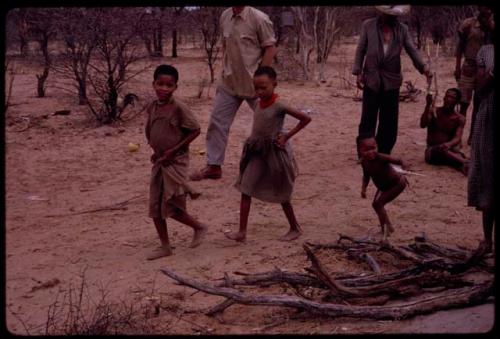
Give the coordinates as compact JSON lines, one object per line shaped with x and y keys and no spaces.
{"x":245,"y":37}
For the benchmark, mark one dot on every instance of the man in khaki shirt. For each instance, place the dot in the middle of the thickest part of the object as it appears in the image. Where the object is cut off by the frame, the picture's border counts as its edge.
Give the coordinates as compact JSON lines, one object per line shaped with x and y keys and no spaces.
{"x":248,"y":42}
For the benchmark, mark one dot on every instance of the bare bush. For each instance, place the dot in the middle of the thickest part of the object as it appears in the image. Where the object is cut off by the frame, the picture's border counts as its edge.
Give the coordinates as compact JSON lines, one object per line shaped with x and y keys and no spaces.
{"x":76,"y":27}
{"x":207,"y":19}
{"x":116,"y":52}
{"x":42,"y":27}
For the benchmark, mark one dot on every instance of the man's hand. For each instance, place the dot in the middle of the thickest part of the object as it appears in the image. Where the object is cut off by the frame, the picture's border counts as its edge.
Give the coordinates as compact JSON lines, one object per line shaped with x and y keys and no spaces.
{"x":360,"y":81}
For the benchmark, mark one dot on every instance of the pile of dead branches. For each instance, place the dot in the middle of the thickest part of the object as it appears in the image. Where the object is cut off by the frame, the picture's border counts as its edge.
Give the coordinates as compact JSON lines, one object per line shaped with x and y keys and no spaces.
{"x":434,"y":278}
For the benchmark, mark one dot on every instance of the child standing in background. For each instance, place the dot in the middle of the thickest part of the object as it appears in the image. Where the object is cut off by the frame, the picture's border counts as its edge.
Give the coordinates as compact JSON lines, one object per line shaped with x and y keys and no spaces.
{"x":267,"y":166}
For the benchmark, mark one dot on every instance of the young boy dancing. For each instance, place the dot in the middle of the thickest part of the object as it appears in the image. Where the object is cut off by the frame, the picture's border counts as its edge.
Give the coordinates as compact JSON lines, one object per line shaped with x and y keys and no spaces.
{"x":389,"y":183}
{"x":170,"y":128}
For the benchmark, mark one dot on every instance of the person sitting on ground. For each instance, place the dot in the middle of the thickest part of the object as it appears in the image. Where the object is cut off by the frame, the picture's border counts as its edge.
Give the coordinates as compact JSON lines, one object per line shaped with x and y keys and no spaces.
{"x":445,"y":127}
{"x":267,"y":166}
{"x":388,"y":181}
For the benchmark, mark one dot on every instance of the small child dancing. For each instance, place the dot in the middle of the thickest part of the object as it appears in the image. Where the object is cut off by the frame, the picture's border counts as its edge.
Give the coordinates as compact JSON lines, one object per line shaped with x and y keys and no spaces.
{"x":267,"y":166}
{"x":388,"y":181}
{"x":170,"y":128}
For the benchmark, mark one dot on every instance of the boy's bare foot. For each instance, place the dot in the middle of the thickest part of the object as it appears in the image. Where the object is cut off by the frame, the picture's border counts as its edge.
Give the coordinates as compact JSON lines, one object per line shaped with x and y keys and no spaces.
{"x":199,"y":235}
{"x":291,"y":235}
{"x":237,"y":236}
{"x":160,"y":253}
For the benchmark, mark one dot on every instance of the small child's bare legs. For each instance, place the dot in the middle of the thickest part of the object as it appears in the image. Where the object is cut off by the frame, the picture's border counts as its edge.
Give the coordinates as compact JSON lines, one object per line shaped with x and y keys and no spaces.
{"x":246,"y":201}
{"x":165,"y":250}
{"x":384,"y":197}
{"x":295,"y":230}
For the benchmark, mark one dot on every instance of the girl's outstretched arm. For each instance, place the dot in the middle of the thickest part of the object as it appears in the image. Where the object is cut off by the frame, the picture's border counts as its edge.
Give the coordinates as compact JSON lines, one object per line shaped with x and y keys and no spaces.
{"x":303,"y":118}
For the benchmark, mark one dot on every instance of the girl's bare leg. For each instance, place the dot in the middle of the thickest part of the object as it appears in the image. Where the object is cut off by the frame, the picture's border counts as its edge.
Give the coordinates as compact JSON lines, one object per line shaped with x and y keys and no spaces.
{"x":295,"y":230}
{"x":246,"y":201}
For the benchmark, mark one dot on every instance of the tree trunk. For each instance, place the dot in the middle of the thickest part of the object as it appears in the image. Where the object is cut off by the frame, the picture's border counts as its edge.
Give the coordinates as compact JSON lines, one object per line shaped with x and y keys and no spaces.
{"x":82,"y":92}
{"x":174,"y":43}
{"x":158,"y":42}
{"x":212,"y":75}
{"x":44,"y":45}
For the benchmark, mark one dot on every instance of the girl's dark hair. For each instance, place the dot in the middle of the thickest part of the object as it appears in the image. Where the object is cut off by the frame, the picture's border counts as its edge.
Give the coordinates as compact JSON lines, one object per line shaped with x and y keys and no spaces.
{"x":266,"y":70}
{"x":166,"y":70}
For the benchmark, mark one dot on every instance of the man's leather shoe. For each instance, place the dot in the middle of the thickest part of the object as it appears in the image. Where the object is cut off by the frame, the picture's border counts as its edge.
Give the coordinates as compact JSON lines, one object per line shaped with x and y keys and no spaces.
{"x":209,"y":172}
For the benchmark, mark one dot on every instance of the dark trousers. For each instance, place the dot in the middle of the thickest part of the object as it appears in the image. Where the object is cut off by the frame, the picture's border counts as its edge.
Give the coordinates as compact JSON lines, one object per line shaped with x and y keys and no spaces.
{"x":383,"y":105}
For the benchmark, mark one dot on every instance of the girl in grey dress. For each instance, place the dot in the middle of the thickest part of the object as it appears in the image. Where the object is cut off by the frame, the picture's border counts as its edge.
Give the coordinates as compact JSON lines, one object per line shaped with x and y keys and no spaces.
{"x":267,"y":166}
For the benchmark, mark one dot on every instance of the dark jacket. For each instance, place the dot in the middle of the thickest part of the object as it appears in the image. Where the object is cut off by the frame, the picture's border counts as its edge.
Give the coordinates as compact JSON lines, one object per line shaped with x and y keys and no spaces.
{"x":378,"y":67}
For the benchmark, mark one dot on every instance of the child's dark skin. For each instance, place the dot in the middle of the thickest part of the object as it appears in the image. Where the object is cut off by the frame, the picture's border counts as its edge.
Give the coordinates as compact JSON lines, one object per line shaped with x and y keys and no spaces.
{"x":389,"y":183}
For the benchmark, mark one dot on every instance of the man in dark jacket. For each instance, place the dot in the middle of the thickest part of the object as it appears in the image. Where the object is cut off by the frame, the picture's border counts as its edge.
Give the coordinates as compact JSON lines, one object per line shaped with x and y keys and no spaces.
{"x":377,"y":66}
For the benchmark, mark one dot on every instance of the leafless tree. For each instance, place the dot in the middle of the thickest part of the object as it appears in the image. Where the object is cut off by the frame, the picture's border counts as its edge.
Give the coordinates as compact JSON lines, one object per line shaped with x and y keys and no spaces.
{"x":326,"y":28}
{"x":77,"y":30}
{"x":17,"y":29}
{"x":177,"y":14}
{"x":304,"y":25}
{"x":437,"y":22}
{"x":42,"y":27}
{"x":207,"y":19}
{"x":9,"y":81}
{"x":151,"y":29}
{"x":116,"y":51}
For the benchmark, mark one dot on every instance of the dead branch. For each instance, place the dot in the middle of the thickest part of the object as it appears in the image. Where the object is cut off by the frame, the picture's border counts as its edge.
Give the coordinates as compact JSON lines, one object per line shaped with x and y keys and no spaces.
{"x":219,"y":308}
{"x":276,"y":276}
{"x":456,"y":298}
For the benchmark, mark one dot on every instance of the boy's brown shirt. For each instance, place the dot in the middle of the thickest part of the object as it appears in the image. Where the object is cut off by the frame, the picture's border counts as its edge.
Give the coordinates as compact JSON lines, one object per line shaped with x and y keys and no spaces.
{"x":168,"y":124}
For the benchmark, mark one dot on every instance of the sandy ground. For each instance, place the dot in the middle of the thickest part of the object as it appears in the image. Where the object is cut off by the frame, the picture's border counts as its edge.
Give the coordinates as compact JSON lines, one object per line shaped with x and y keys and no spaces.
{"x":64,"y":165}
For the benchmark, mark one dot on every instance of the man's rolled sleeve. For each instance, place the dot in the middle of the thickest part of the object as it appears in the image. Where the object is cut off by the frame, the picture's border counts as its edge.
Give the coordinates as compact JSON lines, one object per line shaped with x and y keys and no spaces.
{"x":265,"y":32}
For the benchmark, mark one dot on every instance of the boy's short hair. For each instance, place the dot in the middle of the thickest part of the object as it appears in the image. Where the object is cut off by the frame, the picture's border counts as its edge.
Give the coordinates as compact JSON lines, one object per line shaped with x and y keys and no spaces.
{"x":266,"y":70}
{"x":457,"y":91}
{"x":166,"y":70}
